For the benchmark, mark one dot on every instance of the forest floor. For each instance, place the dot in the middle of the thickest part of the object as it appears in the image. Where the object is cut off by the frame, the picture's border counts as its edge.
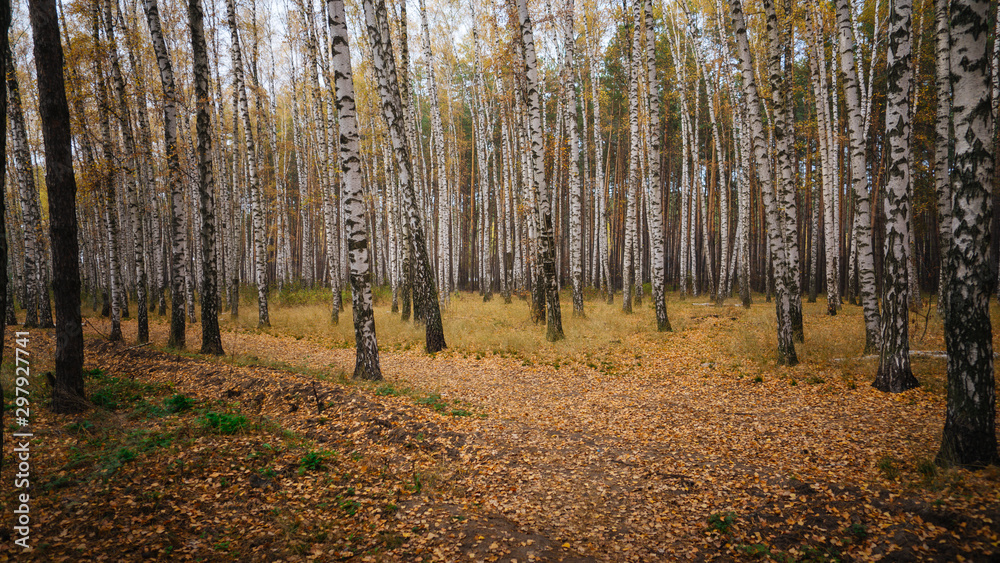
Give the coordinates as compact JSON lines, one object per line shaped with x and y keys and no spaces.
{"x":617,"y":444}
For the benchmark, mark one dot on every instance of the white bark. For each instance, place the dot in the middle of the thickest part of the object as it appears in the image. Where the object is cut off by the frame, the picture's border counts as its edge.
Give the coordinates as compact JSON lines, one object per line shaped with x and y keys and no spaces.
{"x":859,"y":171}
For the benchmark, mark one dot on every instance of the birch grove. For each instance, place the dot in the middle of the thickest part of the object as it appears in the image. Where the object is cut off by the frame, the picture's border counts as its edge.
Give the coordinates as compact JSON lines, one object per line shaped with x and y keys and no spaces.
{"x":256,"y":150}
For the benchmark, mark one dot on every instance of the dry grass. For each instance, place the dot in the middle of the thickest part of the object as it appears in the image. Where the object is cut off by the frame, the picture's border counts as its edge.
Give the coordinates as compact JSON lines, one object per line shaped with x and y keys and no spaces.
{"x":743,"y":340}
{"x":471,"y":326}
{"x":838,"y":342}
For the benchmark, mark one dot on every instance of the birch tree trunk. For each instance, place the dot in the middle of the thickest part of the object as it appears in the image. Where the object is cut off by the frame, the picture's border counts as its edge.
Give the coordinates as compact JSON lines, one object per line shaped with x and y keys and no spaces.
{"x":569,"y":117}
{"x":211,"y":339}
{"x":784,"y":144}
{"x":28,"y":192}
{"x":67,"y":391}
{"x":600,"y":189}
{"x":554,"y":329}
{"x":859,"y":180}
{"x":942,"y":146}
{"x":827,"y":161}
{"x":970,"y":423}
{"x":174,"y":185}
{"x":894,"y":374}
{"x":440,"y":170}
{"x":409,"y":127}
{"x":786,"y":346}
{"x":256,"y":203}
{"x":385,"y":70}
{"x":743,"y":222}
{"x":108,"y":175}
{"x":5,"y":300}
{"x":367,"y":360}
{"x":628,"y":261}
{"x":132,"y":184}
{"x":654,"y":190}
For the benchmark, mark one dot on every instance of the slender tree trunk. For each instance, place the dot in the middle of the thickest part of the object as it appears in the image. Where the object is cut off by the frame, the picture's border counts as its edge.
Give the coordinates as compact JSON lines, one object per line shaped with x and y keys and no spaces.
{"x":859,"y":179}
{"x":367,"y":361}
{"x":132,"y":183}
{"x":786,"y":346}
{"x":575,"y":189}
{"x":437,"y":138}
{"x":256,"y":199}
{"x":5,"y":58}
{"x":827,"y":162}
{"x":894,"y":374}
{"x":211,"y":339}
{"x":25,"y":178}
{"x":942,"y":146}
{"x":554,"y":329}
{"x":744,"y":211}
{"x":67,"y":390}
{"x":628,"y":258}
{"x":108,"y":176}
{"x":385,"y":70}
{"x":178,"y":264}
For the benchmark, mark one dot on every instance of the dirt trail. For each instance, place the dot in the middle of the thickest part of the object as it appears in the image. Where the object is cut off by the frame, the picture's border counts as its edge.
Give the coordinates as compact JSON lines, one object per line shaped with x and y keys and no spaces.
{"x":629,"y":465}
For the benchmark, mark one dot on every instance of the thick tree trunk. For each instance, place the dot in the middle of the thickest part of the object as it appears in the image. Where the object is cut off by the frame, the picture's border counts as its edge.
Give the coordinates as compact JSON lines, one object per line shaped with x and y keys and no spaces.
{"x":655,"y":189}
{"x":970,"y":423}
{"x":784,"y":144}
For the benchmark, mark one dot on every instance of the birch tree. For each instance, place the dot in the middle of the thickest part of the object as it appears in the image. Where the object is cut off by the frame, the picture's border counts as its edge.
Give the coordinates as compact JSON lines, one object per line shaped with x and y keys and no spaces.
{"x":969,"y":437}
{"x":786,"y":346}
{"x":367,"y":361}
{"x":34,"y":291}
{"x":437,"y":138}
{"x":108,"y":177}
{"x":132,"y":180}
{"x":256,"y":203}
{"x":389,"y":93}
{"x":178,"y":252}
{"x":784,"y":144}
{"x":546,"y":252}
{"x":894,"y":374}
{"x":654,"y":189}
{"x":859,"y":179}
{"x":5,"y":13}
{"x":942,"y":146}
{"x":68,"y":388}
{"x":211,"y":339}
{"x":632,"y":188}
{"x":575,"y":189}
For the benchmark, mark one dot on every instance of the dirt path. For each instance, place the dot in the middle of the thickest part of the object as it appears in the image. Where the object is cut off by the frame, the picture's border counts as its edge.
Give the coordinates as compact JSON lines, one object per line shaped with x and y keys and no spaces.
{"x":629,"y":463}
